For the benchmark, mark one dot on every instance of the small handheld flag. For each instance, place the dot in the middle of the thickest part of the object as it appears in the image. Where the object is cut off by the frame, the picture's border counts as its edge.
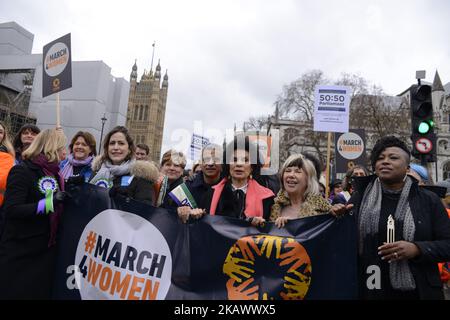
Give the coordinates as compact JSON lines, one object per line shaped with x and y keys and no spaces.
{"x":183,"y":197}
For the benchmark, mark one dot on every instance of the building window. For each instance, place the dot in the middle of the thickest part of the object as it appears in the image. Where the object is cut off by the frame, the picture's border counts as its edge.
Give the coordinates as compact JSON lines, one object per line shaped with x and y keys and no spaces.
{"x":290,"y":134}
{"x":142,"y":139}
{"x":141,"y":112}
{"x":443,"y":144}
{"x":146,"y":113}
{"x":446,"y":170}
{"x":136,"y":108}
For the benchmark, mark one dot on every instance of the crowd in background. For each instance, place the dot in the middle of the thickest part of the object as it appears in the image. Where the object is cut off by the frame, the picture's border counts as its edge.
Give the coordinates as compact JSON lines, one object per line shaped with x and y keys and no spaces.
{"x":36,"y":174}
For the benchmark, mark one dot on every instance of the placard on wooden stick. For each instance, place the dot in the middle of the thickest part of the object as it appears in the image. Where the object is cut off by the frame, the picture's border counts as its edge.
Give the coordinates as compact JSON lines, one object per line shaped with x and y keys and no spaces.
{"x":331,"y":114}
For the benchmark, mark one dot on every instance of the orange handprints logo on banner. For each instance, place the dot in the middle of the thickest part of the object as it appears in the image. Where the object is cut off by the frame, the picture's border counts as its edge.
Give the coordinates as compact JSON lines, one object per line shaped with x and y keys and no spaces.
{"x":241,"y":266}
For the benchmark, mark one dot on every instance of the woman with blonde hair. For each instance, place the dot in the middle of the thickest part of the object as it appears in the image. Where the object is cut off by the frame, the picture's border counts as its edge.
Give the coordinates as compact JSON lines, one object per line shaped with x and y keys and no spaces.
{"x":33,"y":204}
{"x":299,"y":196}
{"x":7,"y":155}
{"x":172,"y":166}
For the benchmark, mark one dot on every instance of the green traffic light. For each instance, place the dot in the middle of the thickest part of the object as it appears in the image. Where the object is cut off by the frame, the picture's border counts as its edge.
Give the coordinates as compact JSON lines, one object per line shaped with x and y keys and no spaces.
{"x":424,"y":127}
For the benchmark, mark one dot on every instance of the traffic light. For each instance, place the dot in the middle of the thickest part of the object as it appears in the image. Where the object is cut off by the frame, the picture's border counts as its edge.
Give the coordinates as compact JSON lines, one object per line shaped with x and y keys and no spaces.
{"x":422,"y":123}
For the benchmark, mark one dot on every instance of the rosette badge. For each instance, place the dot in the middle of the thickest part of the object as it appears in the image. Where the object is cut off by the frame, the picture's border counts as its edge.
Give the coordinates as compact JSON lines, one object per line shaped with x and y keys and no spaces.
{"x":104,"y":183}
{"x":47,"y":185}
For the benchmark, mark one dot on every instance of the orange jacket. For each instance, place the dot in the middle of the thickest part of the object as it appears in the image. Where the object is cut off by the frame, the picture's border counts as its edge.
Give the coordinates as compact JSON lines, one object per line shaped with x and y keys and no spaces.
{"x":6,"y":163}
{"x":444,"y":268}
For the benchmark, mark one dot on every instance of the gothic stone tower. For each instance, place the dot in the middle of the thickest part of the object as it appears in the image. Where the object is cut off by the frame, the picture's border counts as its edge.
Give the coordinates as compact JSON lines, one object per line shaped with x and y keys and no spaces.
{"x":147,"y":109}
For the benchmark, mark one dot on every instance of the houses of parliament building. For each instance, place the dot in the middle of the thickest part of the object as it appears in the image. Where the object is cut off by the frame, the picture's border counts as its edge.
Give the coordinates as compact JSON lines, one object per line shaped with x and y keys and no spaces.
{"x":147,"y":109}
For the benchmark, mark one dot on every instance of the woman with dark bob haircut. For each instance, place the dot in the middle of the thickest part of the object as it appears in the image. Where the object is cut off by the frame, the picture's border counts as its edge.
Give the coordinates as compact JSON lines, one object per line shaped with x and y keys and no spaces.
{"x":403,"y":229}
{"x":23,"y":139}
{"x":239,"y":195}
{"x":82,"y":150}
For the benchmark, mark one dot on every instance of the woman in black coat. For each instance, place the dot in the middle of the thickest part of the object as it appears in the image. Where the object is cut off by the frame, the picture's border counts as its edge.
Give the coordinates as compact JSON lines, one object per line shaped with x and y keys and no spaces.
{"x":172,"y":166}
{"x":117,"y":169}
{"x":404,"y":230}
{"x":31,"y":211}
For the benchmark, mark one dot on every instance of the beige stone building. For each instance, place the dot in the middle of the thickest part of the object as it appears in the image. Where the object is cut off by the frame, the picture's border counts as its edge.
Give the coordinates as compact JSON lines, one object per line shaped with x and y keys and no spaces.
{"x":147,"y":108}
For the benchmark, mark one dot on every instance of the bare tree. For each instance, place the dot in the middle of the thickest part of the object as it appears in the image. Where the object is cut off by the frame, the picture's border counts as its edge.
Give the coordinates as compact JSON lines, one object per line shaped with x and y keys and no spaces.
{"x":256,"y":123}
{"x":296,"y":102}
{"x":370,"y":108}
{"x":381,"y":115}
{"x":357,"y":83}
{"x":375,"y":111}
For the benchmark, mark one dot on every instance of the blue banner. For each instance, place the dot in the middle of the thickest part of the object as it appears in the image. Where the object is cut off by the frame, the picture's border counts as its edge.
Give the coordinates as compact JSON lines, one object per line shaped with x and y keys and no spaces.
{"x":123,"y":249}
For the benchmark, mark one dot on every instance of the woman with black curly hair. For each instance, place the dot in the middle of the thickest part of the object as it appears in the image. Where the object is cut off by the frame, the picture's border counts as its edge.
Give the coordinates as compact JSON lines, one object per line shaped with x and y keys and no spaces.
{"x":403,"y":229}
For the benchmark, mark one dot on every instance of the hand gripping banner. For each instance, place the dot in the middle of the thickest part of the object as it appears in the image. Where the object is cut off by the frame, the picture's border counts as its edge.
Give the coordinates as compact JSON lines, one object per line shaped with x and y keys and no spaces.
{"x":123,"y":249}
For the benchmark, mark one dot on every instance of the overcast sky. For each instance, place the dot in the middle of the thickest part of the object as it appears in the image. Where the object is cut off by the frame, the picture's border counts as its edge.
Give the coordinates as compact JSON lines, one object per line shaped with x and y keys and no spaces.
{"x":228,"y":60}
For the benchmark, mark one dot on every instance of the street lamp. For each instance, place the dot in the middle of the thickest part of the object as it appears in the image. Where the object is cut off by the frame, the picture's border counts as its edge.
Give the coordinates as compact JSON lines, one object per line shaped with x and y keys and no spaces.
{"x":101,"y":134}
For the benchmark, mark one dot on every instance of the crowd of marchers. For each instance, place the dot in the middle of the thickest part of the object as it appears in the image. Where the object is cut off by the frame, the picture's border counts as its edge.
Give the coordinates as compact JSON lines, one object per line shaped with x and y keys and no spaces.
{"x":37,"y":175}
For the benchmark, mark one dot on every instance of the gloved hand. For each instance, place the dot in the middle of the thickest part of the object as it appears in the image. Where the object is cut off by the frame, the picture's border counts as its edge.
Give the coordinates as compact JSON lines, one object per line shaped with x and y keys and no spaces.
{"x":114,"y":191}
{"x":60,"y":197}
{"x":75,"y":180}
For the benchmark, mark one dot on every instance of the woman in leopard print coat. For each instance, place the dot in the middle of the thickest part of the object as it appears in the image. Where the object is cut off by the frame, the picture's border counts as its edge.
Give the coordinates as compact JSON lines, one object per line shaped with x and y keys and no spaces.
{"x":299,"y":196}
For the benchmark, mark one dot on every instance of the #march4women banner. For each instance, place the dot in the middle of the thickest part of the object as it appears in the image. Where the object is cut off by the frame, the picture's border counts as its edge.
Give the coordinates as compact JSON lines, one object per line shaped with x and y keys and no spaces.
{"x":123,"y":249}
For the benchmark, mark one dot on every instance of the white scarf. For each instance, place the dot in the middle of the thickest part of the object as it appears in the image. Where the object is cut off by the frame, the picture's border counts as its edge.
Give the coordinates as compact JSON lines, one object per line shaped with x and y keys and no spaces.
{"x":109,"y":171}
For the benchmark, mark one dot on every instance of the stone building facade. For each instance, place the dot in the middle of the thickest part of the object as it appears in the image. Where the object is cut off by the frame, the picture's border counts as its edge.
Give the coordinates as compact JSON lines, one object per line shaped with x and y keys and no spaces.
{"x":147,"y":109}
{"x":95,"y":92}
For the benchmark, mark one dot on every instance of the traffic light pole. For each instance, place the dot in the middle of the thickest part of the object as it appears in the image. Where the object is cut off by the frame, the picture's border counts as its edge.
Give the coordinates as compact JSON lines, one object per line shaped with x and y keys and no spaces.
{"x":423,"y":160}
{"x":427,"y":165}
{"x":436,"y":169}
{"x":422,"y":124}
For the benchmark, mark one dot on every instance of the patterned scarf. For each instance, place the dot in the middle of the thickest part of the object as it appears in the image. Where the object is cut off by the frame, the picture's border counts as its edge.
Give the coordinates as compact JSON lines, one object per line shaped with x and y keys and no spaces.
{"x":369,"y":217}
{"x":67,"y":170}
{"x":109,"y":171}
{"x":313,"y":205}
{"x":51,"y":169}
